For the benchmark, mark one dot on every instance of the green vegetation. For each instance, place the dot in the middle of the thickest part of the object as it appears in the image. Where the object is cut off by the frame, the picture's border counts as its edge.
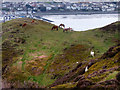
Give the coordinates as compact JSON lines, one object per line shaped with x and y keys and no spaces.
{"x":35,"y":53}
{"x":111,"y":75}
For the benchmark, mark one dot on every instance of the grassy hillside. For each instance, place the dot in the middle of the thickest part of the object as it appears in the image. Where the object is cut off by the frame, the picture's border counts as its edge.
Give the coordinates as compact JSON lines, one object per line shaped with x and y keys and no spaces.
{"x":35,"y":56}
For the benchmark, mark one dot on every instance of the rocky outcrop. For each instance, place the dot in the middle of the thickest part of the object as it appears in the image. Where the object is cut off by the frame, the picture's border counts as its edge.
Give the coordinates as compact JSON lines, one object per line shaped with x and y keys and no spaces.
{"x":70,"y":76}
{"x":111,"y":52}
{"x":112,"y":27}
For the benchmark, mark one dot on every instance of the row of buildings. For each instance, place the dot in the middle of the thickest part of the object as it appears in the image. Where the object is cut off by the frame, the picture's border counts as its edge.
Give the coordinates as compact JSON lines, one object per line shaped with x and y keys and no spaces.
{"x":59,"y":6}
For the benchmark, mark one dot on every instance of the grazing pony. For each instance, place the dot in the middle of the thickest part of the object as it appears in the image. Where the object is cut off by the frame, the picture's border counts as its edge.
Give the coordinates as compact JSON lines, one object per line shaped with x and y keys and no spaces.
{"x":32,"y":21}
{"x":24,"y":25}
{"x":55,"y":27}
{"x":67,"y":29}
{"x":62,"y":25}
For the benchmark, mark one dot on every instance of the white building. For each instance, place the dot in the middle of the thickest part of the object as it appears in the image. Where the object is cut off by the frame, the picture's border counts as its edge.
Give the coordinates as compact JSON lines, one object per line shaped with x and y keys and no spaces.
{"x":48,"y":8}
{"x":68,"y":7}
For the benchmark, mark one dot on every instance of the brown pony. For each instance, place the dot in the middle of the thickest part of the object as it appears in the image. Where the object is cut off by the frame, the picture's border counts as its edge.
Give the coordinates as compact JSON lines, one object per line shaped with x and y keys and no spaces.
{"x":24,"y":25}
{"x":32,"y":21}
{"x":55,"y":27}
{"x":67,"y":29}
{"x":62,"y":25}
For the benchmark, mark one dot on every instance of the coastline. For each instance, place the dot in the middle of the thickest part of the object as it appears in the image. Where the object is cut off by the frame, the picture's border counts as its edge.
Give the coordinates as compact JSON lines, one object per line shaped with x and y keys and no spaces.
{"x":74,"y":13}
{"x":39,"y":15}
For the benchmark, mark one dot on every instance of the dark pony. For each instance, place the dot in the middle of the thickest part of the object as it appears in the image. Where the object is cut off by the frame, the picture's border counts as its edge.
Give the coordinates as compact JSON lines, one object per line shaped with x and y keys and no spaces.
{"x":62,"y":25}
{"x":55,"y":28}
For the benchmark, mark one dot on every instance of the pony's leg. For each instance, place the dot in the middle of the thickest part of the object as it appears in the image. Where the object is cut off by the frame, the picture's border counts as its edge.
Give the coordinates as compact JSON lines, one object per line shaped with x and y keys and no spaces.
{"x":52,"y":29}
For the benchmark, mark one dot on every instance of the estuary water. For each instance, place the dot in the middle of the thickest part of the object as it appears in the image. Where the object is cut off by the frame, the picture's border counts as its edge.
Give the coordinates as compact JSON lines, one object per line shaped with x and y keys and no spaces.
{"x":83,"y":22}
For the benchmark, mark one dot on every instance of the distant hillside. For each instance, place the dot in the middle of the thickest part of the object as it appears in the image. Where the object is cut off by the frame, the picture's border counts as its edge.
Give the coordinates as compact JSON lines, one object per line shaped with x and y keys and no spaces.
{"x":34,"y":56}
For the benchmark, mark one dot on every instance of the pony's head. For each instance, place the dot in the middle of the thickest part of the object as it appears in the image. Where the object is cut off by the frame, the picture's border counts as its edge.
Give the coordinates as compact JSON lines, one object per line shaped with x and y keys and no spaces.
{"x":62,"y":25}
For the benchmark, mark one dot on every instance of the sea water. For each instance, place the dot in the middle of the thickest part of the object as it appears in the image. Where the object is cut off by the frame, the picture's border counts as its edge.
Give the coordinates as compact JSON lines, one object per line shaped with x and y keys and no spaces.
{"x":83,"y":22}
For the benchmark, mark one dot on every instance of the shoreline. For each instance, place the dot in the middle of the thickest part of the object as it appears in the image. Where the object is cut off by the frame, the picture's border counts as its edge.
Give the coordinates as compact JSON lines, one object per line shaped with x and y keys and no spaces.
{"x":41,"y":14}
{"x":74,"y":13}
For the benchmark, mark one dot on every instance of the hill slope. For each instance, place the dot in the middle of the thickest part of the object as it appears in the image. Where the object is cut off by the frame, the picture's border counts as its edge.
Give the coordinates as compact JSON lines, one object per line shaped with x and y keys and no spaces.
{"x":35,"y":56}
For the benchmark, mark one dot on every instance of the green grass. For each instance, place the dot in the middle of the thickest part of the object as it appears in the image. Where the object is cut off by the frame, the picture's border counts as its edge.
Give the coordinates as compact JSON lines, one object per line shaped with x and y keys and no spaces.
{"x":68,"y":85}
{"x":40,"y":40}
{"x":111,"y":76}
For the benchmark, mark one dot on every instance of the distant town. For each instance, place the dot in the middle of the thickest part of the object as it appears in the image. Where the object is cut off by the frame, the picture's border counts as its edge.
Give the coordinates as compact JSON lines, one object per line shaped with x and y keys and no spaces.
{"x":37,"y":7}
